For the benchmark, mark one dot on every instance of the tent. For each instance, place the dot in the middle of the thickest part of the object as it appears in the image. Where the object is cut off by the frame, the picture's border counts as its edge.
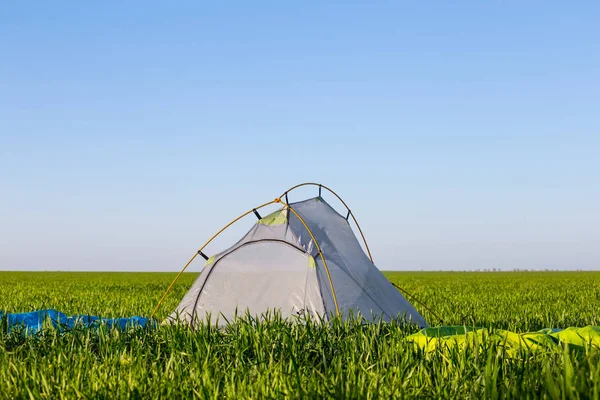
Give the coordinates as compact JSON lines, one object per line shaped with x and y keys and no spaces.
{"x":304,"y":258}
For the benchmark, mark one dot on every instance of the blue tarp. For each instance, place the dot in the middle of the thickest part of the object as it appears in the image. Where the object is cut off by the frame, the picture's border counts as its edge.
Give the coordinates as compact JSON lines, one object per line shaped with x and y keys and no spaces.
{"x":34,"y":320}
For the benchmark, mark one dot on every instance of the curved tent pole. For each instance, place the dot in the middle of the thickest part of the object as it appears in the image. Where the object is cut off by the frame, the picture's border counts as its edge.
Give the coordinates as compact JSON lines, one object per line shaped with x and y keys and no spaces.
{"x":343,"y":202}
{"x":337,"y":309}
{"x":233,"y":222}
{"x":202,"y":248}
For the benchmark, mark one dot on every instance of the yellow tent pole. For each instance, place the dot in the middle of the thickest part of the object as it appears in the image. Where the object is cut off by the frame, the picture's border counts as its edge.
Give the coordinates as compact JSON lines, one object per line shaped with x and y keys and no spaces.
{"x":337,"y":309}
{"x":345,"y":205}
{"x":202,"y":248}
{"x":171,"y":285}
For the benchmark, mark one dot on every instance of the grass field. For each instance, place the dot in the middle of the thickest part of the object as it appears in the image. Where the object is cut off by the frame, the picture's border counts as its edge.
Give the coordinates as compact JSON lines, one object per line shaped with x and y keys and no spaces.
{"x":275,"y":359}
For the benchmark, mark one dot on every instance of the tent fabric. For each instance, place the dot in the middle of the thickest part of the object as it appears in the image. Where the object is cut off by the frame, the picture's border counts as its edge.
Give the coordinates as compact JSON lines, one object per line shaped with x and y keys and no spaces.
{"x":276,"y":266}
{"x":196,"y":306}
{"x":276,"y":218}
{"x":358,"y":283}
{"x":269,"y":274}
{"x":33,"y":321}
{"x":453,"y":337}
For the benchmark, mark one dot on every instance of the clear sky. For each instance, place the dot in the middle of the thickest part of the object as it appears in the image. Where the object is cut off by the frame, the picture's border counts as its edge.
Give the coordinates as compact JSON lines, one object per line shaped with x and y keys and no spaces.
{"x":463,"y":135}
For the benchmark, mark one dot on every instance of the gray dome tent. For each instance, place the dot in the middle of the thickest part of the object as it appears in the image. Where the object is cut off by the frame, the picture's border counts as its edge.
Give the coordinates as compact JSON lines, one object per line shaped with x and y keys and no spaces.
{"x":301,"y":259}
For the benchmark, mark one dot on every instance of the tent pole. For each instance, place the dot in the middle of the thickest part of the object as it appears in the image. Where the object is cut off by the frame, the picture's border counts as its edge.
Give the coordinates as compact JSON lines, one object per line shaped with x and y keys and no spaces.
{"x":345,"y":205}
{"x":202,"y":248}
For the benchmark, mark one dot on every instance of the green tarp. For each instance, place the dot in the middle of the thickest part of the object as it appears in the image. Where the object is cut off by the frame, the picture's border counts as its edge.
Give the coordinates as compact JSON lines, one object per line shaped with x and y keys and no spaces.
{"x":449,"y":337}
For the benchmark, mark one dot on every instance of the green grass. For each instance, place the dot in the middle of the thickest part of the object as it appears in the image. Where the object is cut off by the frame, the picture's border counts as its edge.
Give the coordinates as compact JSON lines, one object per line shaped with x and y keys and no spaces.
{"x":517,"y":301}
{"x":277,"y":359}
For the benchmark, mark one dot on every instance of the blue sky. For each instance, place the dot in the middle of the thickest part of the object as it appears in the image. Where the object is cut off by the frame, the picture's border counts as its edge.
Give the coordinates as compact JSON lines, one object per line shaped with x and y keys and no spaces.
{"x":463,"y":135}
